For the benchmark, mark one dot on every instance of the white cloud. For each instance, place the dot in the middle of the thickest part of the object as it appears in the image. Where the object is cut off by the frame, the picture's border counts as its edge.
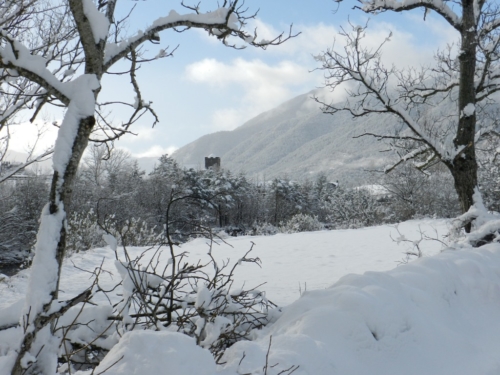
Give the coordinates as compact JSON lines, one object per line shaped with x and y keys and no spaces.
{"x":155,"y":151}
{"x":328,"y":96}
{"x":254,"y":72}
{"x":25,"y":136}
{"x":312,"y":40}
{"x":406,"y":48}
{"x":403,"y":49}
{"x":262,"y":86}
{"x":144,"y":132}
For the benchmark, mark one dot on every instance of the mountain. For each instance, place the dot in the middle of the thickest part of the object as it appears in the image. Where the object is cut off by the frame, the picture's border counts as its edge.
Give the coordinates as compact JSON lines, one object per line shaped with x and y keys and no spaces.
{"x":295,"y":140}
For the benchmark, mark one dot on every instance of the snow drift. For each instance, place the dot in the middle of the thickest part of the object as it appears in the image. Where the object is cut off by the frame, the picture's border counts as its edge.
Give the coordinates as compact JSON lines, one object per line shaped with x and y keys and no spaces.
{"x":436,"y":315}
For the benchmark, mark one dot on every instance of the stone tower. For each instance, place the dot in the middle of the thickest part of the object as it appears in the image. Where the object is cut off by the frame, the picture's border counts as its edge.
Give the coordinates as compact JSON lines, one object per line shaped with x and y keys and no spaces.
{"x":212,"y":162}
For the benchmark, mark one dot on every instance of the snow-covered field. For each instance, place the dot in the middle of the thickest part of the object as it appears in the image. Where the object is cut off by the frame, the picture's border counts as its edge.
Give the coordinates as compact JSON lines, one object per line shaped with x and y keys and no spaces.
{"x":437,"y":315}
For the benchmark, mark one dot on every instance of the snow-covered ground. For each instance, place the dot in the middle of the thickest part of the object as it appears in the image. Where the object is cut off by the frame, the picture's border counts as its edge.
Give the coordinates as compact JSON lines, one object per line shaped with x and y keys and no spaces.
{"x":436,"y":315}
{"x":290,"y":262}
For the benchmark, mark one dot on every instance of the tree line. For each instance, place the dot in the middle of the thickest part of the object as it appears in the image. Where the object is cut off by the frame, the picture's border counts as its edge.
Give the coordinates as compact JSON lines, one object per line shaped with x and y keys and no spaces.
{"x":111,"y":194}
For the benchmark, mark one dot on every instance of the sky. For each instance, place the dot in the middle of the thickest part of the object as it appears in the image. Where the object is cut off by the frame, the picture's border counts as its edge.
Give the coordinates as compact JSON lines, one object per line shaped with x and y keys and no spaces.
{"x":206,"y":87}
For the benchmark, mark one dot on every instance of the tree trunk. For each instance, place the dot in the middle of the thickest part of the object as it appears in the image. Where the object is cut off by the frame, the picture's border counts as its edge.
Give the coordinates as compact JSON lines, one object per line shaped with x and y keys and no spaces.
{"x":464,"y":167}
{"x":464,"y":172}
{"x":61,"y":190}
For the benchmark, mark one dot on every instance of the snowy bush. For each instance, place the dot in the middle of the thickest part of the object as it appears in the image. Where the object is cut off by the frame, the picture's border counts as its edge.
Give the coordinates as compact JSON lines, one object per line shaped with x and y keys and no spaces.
{"x":489,"y":180}
{"x":263,"y":229}
{"x":352,"y":208}
{"x":85,"y":231}
{"x":413,"y":194}
{"x":301,"y":223}
{"x":16,"y":238}
{"x":20,"y":206}
{"x":134,"y":232}
{"x":196,"y":299}
{"x":86,"y":335}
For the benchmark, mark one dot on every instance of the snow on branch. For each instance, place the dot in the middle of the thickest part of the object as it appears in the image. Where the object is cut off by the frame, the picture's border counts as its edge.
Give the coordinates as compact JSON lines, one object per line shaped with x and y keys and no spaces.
{"x":489,"y":27}
{"x":425,"y":92}
{"x":488,"y":81}
{"x":489,"y":20}
{"x":14,"y":12}
{"x":14,"y":55}
{"x":409,"y":156}
{"x":223,"y":23}
{"x":98,"y":21}
{"x":19,"y":103}
{"x":439,"y":6}
{"x":486,"y":225}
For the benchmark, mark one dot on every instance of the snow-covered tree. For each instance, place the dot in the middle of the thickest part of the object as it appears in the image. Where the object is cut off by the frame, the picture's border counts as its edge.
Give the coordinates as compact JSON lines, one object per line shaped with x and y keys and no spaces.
{"x":18,"y":19}
{"x":352,"y":208}
{"x":62,"y":61}
{"x":415,"y":194}
{"x":284,"y":200}
{"x":20,"y":205}
{"x":447,"y":107}
{"x":489,"y":172}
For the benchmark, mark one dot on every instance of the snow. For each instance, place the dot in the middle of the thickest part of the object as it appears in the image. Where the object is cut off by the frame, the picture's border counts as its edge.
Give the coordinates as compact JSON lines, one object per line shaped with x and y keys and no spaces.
{"x":468,"y":110}
{"x":111,"y":241}
{"x":98,"y":21}
{"x":42,"y":282}
{"x":359,"y":312}
{"x":82,"y":105}
{"x":21,"y":57}
{"x":376,"y":190}
{"x":148,"y":352}
{"x":69,"y":72}
{"x":214,"y":330}
{"x":80,"y":97}
{"x":311,"y":260}
{"x":203,"y":297}
{"x":440,"y":6}
{"x":485,"y":223}
{"x":217,"y":16}
{"x":173,"y":19}
{"x":45,"y":268}
{"x":434,"y":316}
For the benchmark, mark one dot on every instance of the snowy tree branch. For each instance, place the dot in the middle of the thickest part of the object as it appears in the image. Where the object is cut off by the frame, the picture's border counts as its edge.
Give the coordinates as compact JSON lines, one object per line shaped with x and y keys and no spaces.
{"x":372,"y":93}
{"x":17,"y":58}
{"x":223,"y":23}
{"x":439,"y":6}
{"x":93,"y":45}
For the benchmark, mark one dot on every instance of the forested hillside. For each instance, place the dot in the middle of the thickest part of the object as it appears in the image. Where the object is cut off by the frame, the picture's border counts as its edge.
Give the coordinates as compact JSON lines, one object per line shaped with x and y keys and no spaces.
{"x":296,"y":140}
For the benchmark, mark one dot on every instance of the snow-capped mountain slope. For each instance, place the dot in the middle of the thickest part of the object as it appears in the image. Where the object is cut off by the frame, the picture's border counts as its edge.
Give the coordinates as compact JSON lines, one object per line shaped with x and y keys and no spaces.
{"x":295,"y":140}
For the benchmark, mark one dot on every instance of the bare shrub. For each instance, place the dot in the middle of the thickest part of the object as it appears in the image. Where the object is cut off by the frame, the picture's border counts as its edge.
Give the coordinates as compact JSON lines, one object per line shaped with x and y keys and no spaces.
{"x":301,"y":223}
{"x":197,"y":299}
